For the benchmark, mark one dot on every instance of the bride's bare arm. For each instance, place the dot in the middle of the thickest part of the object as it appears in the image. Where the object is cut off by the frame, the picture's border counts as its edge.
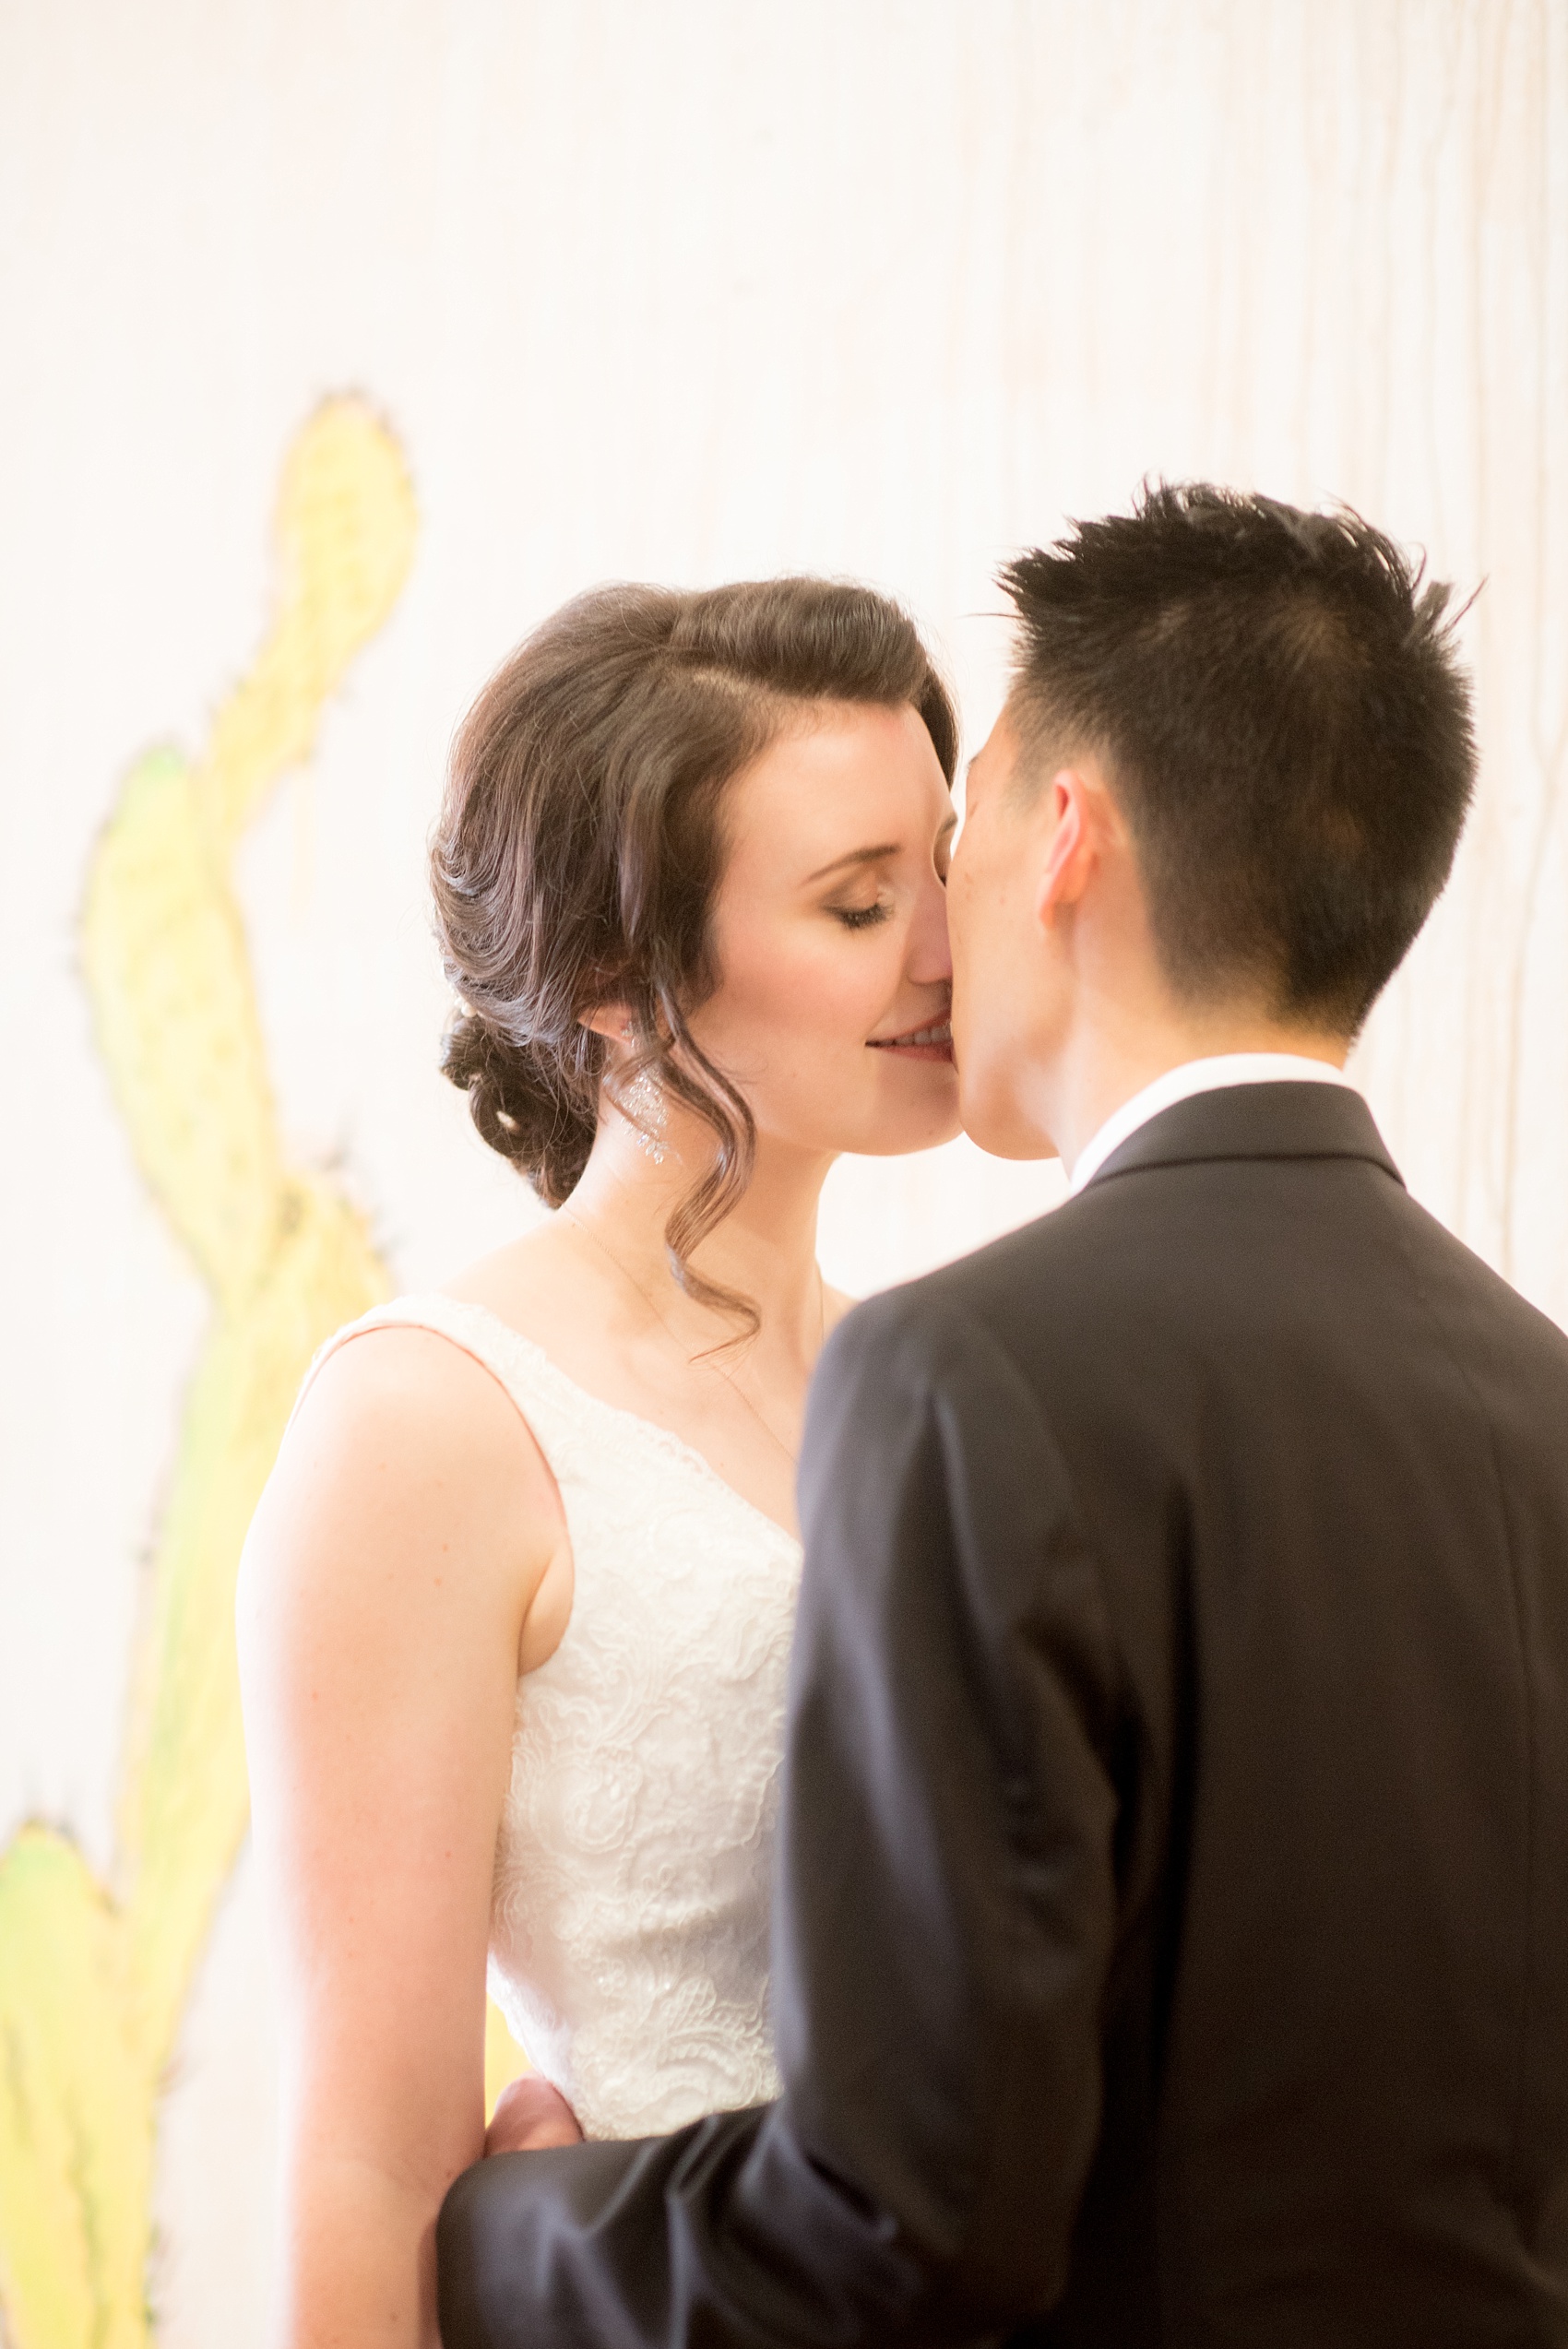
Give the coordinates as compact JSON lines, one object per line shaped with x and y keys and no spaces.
{"x":409,"y":1549}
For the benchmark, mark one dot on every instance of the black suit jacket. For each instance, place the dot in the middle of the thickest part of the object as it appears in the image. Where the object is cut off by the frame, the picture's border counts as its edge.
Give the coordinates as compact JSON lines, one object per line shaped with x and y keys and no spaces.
{"x":1171,"y":1943}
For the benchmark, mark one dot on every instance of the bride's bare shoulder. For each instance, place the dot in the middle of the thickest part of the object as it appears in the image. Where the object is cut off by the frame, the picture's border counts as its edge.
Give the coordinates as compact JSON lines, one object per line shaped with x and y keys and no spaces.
{"x":395,"y":1378}
{"x":406,"y":1472}
{"x":400,"y":1423}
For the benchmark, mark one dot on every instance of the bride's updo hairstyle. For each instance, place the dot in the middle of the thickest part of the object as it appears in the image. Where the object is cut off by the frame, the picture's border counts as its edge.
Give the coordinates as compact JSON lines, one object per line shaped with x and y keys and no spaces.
{"x":581,"y":842}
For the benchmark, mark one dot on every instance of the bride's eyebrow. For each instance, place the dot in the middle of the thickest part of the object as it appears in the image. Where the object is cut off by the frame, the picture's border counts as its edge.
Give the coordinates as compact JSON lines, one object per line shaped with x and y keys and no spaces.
{"x":855,"y":857}
{"x":878,"y":855}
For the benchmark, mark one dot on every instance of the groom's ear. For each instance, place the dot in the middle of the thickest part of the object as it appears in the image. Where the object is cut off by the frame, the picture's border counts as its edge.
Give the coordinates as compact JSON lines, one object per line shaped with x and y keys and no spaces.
{"x":1071,"y":836}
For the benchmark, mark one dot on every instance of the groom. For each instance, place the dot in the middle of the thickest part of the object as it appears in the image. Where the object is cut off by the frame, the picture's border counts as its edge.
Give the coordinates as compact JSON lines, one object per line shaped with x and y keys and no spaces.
{"x":1171,"y":1943}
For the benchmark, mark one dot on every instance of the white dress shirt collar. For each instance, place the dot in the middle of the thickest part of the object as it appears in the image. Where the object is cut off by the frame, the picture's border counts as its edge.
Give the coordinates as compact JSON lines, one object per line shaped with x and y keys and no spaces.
{"x":1197,"y":1076}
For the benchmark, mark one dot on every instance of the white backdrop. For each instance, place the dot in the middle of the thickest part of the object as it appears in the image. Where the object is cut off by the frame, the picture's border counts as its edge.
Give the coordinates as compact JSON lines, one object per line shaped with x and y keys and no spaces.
{"x":686,"y":292}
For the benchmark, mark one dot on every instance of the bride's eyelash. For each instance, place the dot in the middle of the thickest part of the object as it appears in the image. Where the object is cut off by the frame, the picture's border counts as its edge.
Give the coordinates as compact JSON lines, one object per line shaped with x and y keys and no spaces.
{"x":860,"y":917}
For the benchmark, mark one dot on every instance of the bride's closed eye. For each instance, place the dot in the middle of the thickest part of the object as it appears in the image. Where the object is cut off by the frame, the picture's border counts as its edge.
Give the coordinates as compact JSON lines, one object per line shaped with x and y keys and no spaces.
{"x":860,"y":917}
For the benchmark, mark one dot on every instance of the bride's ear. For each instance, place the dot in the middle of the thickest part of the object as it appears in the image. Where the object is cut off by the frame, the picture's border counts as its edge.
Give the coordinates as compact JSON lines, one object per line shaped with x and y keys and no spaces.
{"x":612,"y":1021}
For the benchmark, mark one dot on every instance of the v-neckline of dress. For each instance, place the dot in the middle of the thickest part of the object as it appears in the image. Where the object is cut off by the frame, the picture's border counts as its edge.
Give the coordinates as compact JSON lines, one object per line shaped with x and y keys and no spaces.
{"x":664,"y":1440}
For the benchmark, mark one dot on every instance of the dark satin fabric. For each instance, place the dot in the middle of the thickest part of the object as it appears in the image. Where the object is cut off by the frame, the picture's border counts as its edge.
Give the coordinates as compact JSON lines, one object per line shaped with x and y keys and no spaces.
{"x":1171,"y":1943}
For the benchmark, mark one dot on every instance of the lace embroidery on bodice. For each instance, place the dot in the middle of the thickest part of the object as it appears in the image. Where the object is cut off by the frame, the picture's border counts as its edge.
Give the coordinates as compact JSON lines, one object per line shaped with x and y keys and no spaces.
{"x":632,"y":1868}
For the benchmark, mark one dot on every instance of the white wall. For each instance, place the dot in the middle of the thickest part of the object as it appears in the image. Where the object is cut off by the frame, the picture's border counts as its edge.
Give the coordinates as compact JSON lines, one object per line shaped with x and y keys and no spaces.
{"x":687,"y":292}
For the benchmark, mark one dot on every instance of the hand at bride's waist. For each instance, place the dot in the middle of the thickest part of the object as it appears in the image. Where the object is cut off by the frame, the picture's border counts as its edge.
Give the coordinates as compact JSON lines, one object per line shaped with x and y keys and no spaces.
{"x":530,"y":2114}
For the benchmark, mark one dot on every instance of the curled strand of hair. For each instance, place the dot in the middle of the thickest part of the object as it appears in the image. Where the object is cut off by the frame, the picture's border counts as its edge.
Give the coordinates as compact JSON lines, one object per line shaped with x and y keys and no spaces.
{"x":691,"y":1077}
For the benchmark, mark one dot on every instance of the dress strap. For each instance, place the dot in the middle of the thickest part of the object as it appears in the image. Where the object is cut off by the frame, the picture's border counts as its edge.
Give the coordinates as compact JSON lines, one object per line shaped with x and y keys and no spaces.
{"x":543,"y":1398}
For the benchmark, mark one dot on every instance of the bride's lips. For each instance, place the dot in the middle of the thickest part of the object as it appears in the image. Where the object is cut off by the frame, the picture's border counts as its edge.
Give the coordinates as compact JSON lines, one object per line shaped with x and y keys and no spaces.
{"x":932,"y":1042}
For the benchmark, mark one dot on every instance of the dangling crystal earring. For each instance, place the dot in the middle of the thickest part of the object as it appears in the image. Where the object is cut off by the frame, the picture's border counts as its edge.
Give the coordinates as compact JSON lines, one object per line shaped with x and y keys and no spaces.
{"x":650,"y":1116}
{"x":645,"y":1109}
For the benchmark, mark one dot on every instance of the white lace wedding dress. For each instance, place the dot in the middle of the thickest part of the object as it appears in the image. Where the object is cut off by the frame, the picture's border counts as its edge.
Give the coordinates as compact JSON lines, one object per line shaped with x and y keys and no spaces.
{"x":629,"y":1922}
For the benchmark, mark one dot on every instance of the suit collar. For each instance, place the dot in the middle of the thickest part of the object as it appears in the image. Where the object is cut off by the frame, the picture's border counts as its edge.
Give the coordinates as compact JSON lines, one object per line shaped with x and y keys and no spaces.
{"x":1252,"y":1122}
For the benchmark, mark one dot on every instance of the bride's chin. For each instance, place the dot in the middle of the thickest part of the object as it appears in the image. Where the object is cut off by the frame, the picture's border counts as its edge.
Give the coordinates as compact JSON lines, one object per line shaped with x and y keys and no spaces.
{"x":927,"y":1129}
{"x":919,"y":1113}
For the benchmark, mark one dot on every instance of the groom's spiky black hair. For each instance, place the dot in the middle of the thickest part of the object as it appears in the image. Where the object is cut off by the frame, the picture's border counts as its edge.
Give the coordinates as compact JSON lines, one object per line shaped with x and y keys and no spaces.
{"x":1276,"y":697}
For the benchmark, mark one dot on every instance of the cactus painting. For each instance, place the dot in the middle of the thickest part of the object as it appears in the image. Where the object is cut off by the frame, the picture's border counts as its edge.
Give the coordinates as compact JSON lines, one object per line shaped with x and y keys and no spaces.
{"x":94,"y":1976}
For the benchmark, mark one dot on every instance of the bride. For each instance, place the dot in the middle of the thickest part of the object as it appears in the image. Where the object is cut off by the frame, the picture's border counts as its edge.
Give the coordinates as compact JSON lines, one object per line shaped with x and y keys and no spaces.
{"x":516,"y":1605}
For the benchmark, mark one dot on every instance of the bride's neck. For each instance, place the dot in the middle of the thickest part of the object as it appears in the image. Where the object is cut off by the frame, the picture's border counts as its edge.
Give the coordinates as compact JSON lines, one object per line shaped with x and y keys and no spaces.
{"x":765,"y":1248}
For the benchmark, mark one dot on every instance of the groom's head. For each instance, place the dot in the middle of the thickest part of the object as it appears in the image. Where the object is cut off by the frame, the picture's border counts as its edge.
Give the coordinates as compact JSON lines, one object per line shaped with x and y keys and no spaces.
{"x":1220,"y":802}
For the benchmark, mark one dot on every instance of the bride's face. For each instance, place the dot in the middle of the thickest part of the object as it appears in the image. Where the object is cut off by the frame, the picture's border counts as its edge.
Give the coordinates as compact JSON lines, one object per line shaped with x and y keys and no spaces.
{"x":830,"y":934}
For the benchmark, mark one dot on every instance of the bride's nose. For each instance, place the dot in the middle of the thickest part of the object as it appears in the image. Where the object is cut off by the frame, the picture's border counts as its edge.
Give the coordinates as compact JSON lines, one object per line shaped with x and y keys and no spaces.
{"x":930,"y":959}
